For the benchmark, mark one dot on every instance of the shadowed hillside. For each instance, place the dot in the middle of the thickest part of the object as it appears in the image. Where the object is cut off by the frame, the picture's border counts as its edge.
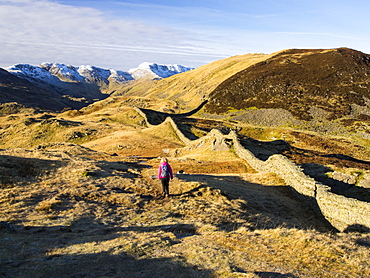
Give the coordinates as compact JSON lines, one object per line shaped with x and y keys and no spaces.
{"x":15,"y":89}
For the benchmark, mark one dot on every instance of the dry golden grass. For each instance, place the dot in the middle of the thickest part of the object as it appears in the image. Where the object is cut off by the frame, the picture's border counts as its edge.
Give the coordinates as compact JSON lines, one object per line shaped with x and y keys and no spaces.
{"x":80,"y":211}
{"x":134,"y":143}
{"x":291,"y":252}
{"x":118,"y":130}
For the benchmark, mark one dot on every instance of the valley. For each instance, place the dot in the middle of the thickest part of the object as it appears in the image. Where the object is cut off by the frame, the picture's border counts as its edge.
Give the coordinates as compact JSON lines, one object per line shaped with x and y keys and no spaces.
{"x":79,"y":195}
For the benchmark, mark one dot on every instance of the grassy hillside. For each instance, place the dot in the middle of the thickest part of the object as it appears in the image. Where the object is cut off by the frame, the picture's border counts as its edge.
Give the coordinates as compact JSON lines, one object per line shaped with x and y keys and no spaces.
{"x":325,"y":91}
{"x":296,"y":80}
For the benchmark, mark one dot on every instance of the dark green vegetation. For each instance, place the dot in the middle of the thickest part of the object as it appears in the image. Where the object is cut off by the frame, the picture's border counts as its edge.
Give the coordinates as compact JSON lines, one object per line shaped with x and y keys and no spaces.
{"x":296,"y":80}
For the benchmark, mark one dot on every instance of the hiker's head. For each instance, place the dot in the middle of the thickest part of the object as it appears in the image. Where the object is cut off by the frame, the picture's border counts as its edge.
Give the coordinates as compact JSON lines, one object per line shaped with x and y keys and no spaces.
{"x":164,"y":159}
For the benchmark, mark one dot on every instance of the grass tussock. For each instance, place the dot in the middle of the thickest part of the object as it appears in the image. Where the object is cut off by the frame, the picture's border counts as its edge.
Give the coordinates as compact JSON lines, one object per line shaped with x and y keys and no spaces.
{"x":47,"y":206}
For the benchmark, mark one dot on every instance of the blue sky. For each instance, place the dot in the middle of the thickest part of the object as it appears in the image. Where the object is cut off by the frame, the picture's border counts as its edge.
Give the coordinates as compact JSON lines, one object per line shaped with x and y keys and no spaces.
{"x":121,"y":34}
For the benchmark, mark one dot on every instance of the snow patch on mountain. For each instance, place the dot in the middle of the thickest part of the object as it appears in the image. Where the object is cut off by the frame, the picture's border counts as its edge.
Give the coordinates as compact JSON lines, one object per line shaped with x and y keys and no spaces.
{"x":156,"y":71}
{"x":88,"y":74}
{"x":32,"y":73}
{"x":64,"y":72}
{"x":120,"y":76}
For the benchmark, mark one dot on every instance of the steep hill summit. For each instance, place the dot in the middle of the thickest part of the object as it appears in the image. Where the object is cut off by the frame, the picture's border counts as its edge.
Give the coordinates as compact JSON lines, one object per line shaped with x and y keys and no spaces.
{"x":336,"y":81}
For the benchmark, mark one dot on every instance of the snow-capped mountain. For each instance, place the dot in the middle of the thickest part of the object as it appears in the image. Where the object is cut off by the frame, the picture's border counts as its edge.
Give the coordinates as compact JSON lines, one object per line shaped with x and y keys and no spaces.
{"x":61,"y":80}
{"x":29,"y":72}
{"x":54,"y":73}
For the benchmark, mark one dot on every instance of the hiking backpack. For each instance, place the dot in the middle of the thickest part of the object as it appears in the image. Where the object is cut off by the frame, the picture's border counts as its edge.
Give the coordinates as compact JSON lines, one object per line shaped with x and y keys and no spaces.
{"x":165,"y":173}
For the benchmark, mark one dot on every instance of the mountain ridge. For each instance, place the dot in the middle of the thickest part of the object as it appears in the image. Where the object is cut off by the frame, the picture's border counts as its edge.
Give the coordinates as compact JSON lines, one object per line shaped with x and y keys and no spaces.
{"x":323,"y":90}
{"x":297,"y":87}
{"x":79,"y":86}
{"x":93,"y":74}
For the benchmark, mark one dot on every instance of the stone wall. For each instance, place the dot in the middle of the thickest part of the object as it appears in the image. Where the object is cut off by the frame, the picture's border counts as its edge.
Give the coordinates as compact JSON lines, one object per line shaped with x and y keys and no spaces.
{"x":279,"y":164}
{"x":341,"y":212}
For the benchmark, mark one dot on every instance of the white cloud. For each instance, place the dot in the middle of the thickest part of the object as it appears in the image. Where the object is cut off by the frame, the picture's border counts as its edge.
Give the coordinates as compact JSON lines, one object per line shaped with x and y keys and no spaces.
{"x":39,"y":30}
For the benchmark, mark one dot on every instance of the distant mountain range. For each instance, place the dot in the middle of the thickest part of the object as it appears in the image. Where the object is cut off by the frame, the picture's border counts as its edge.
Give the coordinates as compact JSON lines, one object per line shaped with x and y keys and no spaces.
{"x":53,"y":73}
{"x":55,"y":86}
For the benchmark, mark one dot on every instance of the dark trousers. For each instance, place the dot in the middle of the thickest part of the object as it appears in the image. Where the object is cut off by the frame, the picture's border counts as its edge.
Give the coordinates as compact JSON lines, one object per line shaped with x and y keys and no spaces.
{"x":165,"y":186}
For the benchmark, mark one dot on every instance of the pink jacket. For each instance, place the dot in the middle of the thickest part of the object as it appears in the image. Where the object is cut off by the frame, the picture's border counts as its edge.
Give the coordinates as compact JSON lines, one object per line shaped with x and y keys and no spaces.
{"x":160,"y":174}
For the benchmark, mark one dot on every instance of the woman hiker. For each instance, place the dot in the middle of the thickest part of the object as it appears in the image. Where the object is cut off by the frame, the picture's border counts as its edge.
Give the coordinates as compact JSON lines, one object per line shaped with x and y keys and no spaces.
{"x":165,"y":174}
